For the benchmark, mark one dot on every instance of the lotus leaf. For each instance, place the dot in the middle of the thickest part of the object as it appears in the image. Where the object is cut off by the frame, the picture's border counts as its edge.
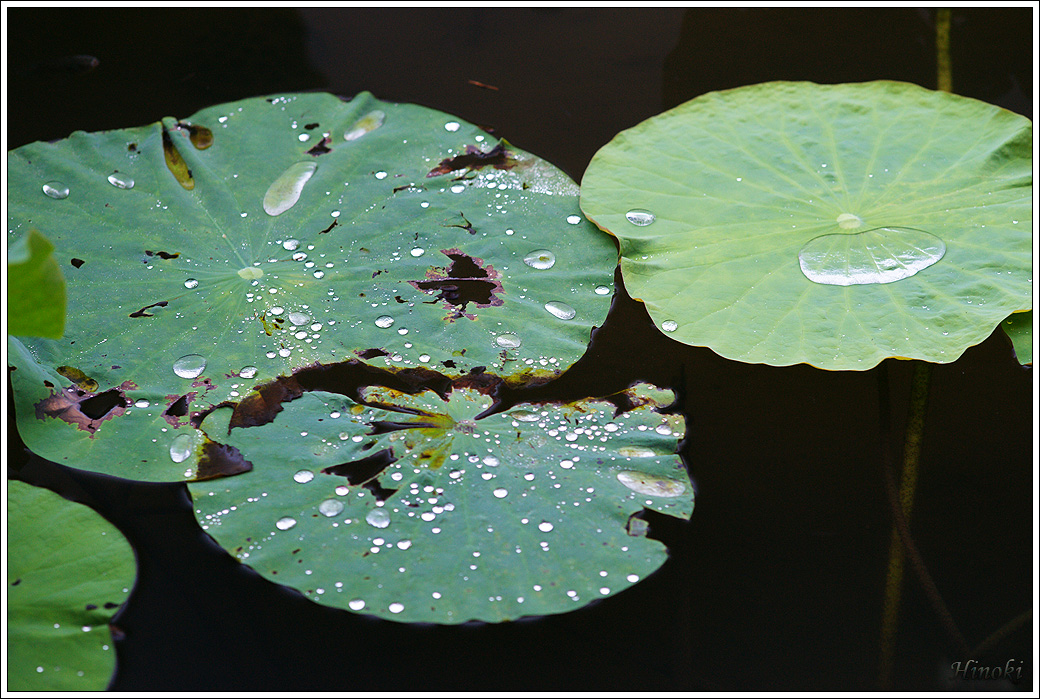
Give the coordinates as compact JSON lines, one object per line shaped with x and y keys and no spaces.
{"x":835,"y":225}
{"x":251,"y":239}
{"x":1019,"y":327}
{"x":68,"y":570}
{"x":420,"y":510}
{"x":35,"y":288}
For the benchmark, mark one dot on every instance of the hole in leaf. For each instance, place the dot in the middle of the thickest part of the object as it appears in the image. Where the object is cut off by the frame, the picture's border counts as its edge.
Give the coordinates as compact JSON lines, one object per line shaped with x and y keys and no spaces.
{"x":100,"y":405}
{"x":475,"y":159}
{"x":362,"y":470}
{"x":76,"y":262}
{"x":143,"y":313}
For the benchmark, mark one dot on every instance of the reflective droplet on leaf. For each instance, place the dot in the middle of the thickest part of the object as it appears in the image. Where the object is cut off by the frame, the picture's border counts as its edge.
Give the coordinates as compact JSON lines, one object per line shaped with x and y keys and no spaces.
{"x":540,"y":259}
{"x":669,"y":326}
{"x":649,"y":484}
{"x":545,"y":526}
{"x":636,"y":452}
{"x":330,"y":507}
{"x":291,"y":244}
{"x":574,"y":219}
{"x":189,"y":366}
{"x":356,"y":604}
{"x":250,"y":272}
{"x":56,"y":190}
{"x":117,"y":179}
{"x":191,"y":283}
{"x":378,"y":518}
{"x":508,"y":340}
{"x":285,"y":523}
{"x":303,"y":476}
{"x":297,"y":318}
{"x":285,"y":191}
{"x":602,"y":290}
{"x":384,"y":321}
{"x":180,"y":448}
{"x":366,"y":124}
{"x":849,"y":221}
{"x":876,"y":256}
{"x":560,"y":310}
{"x":417,"y":252}
{"x":396,"y":607}
{"x":248,"y":372}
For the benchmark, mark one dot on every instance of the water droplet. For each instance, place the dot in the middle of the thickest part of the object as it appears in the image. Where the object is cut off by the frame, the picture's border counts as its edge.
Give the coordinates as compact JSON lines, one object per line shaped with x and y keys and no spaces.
{"x":640,"y":217}
{"x":141,"y":403}
{"x":876,"y":256}
{"x":297,"y":318}
{"x":417,"y":252}
{"x":285,"y":523}
{"x":663,"y":429}
{"x":319,"y":274}
{"x":524,"y":415}
{"x":117,"y":179}
{"x":378,"y":518}
{"x":649,"y":484}
{"x":56,"y":190}
{"x":574,"y":219}
{"x":366,"y":124}
{"x":381,"y":175}
{"x":452,"y":126}
{"x":849,"y":221}
{"x":285,"y":191}
{"x":508,"y":340}
{"x":540,"y":259}
{"x":384,"y":321}
{"x":602,"y":290}
{"x":404,"y":545}
{"x":636,"y":452}
{"x":330,"y":507}
{"x":277,"y":310}
{"x":457,"y":188}
{"x":500,"y":492}
{"x":189,"y":366}
{"x":396,"y":607}
{"x":545,"y":526}
{"x":303,"y":476}
{"x":669,"y":326}
{"x":180,"y":448}
{"x":191,"y":283}
{"x":248,"y":372}
{"x":356,"y":604}
{"x":424,"y":358}
{"x":560,"y":310}
{"x":491,"y":461}
{"x":250,"y":272}
{"x":291,"y":244}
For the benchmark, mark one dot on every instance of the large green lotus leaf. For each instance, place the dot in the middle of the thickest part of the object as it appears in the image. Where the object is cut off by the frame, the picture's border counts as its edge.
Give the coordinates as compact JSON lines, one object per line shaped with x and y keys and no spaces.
{"x":35,"y":288}
{"x":268,"y":234}
{"x":68,"y":571}
{"x":1019,"y":327}
{"x":835,"y":225}
{"x":418,"y":511}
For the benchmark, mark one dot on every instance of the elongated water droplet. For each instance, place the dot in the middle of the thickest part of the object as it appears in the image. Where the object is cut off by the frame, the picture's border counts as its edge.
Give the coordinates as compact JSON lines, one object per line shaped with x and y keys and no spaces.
{"x":649,"y":484}
{"x":180,"y":448}
{"x":142,"y":403}
{"x":540,"y":259}
{"x":370,"y":122}
{"x":378,"y":518}
{"x":640,"y":217}
{"x":191,"y":283}
{"x":451,"y":126}
{"x":396,"y":608}
{"x":522,"y":415}
{"x":508,"y":340}
{"x":285,"y":523}
{"x":384,"y":321}
{"x":56,"y":190}
{"x":297,"y":318}
{"x":189,"y":366}
{"x":118,"y":179}
{"x":330,"y":507}
{"x":248,"y":372}
{"x":602,"y":290}
{"x":560,"y":310}
{"x":849,"y":221}
{"x":669,"y":326}
{"x":303,"y":476}
{"x":285,"y":191}
{"x":876,"y":256}
{"x":636,"y":452}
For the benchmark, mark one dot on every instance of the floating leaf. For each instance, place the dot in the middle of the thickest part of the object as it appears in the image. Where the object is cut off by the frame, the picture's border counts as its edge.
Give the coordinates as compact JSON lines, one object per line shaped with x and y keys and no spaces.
{"x":35,"y":285}
{"x":280,"y":255}
{"x":830,"y":224}
{"x":1019,"y":327}
{"x":423,"y":511}
{"x":68,"y":571}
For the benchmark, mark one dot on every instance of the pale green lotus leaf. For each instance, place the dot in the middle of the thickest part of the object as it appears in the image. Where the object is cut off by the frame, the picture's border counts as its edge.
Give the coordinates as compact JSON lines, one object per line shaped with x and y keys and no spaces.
{"x":35,"y":288}
{"x":68,"y":572}
{"x":423,"y":511}
{"x":254,"y":238}
{"x":835,"y":225}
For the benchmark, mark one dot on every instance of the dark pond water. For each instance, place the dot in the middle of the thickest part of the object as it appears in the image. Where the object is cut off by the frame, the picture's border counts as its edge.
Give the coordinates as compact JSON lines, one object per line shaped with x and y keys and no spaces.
{"x":776,"y":583}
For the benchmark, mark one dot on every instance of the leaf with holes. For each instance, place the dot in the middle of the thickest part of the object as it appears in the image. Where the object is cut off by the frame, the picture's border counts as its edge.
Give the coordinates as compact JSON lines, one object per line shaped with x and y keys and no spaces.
{"x":835,"y":225}
{"x":258,"y":237}
{"x":68,"y":571}
{"x":419,"y":508}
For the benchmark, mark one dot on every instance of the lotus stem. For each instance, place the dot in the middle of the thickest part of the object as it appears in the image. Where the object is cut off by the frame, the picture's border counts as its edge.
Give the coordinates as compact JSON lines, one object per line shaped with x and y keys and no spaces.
{"x":944,"y":68}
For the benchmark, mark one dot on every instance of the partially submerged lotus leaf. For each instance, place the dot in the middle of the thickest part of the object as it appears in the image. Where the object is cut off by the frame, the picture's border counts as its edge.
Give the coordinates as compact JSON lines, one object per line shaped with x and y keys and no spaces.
{"x":421,"y":510}
{"x":835,"y":225}
{"x":224,"y":250}
{"x":68,"y":572}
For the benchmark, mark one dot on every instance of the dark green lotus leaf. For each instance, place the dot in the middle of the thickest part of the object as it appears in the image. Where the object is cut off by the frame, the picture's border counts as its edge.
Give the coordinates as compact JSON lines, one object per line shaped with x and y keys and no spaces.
{"x":420,"y":511}
{"x":254,"y":238}
{"x":35,"y":288}
{"x":835,"y":225}
{"x":68,"y":571}
{"x":1019,"y":327}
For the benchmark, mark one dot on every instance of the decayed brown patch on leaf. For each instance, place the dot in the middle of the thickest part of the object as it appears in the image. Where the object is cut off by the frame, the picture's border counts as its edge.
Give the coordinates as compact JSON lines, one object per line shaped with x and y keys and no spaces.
{"x":219,"y":460}
{"x":467,"y":280}
{"x":498,"y":157}
{"x":260,"y":406}
{"x":84,"y":409}
{"x":177,"y":407}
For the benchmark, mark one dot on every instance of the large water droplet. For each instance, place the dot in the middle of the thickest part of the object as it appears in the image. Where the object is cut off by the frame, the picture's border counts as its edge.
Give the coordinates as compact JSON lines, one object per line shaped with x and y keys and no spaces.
{"x":118,"y":179}
{"x":191,"y":283}
{"x":640,"y":217}
{"x":297,"y":318}
{"x":330,"y":507}
{"x":285,"y":191}
{"x":285,"y":523}
{"x":560,"y":310}
{"x":508,"y":340}
{"x":56,"y":190}
{"x":451,"y":126}
{"x":370,"y":122}
{"x":189,"y":366}
{"x":500,"y":492}
{"x":522,"y":415}
{"x":649,"y":484}
{"x":248,"y":372}
{"x":384,"y":321}
{"x":291,"y":244}
{"x":540,"y":259}
{"x":574,"y":219}
{"x":356,"y":604}
{"x":877,"y":256}
{"x":303,"y":476}
{"x":602,"y":290}
{"x":250,"y":272}
{"x":417,"y":252}
{"x":378,"y":518}
{"x":669,"y":326}
{"x":636,"y":452}
{"x":180,"y":448}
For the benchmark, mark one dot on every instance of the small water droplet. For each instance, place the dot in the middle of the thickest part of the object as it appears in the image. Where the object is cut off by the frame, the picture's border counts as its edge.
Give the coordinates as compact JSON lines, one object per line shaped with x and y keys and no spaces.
{"x":285,"y":191}
{"x":180,"y":448}
{"x":574,"y":219}
{"x":508,"y":340}
{"x":248,"y":372}
{"x":384,"y":321}
{"x":417,"y":252}
{"x":381,"y":175}
{"x":285,"y":523}
{"x":457,"y":188}
{"x":404,"y":545}
{"x":424,"y":358}
{"x":602,"y":290}
{"x":545,"y":526}
{"x":640,"y":217}
{"x":649,"y":484}
{"x":452,"y":126}
{"x":117,"y":179}
{"x":378,"y":518}
{"x":291,"y":244}
{"x":191,"y":283}
{"x":396,"y":607}
{"x":560,"y":310}
{"x":500,"y":492}
{"x":356,"y":604}
{"x":189,"y":366}
{"x":669,"y":326}
{"x":277,"y":310}
{"x":56,"y":190}
{"x":370,"y":122}
{"x":330,"y":507}
{"x":540,"y":259}
{"x":141,"y":403}
{"x":303,"y":476}
{"x":297,"y":318}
